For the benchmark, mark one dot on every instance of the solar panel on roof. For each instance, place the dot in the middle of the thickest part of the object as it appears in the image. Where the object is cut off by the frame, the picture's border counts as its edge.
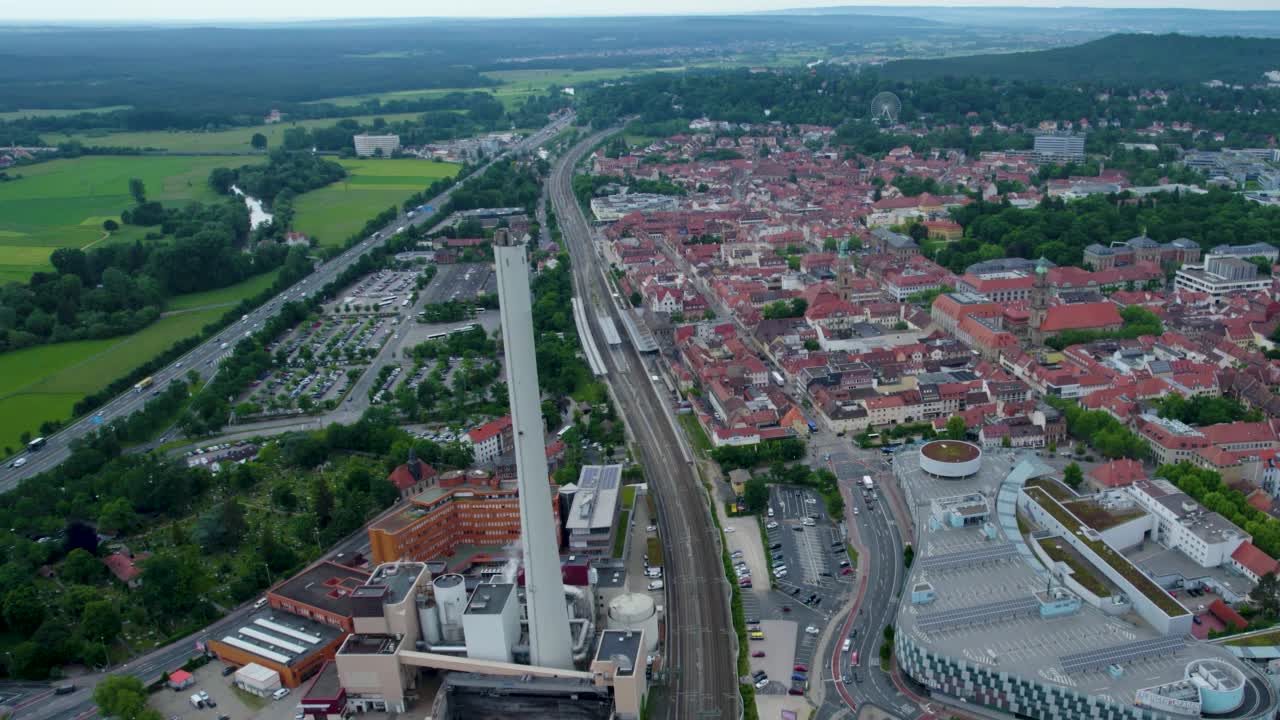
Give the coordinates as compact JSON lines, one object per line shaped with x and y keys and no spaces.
{"x":1127,"y":652}
{"x":976,"y":614}
{"x":969,"y":557}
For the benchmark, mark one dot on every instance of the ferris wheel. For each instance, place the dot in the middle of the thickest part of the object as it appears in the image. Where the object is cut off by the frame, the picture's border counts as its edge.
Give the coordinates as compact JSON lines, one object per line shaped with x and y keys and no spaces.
{"x":886,"y":105}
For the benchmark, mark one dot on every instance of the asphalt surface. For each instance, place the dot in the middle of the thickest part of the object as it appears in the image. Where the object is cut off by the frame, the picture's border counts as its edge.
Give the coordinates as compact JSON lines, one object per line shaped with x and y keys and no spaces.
{"x":36,"y":701}
{"x":876,"y":535}
{"x":701,"y":644}
{"x":203,"y":359}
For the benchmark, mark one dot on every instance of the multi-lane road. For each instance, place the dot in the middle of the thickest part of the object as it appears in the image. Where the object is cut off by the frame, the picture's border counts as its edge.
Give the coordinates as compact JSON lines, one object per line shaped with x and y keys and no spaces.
{"x":203,"y":360}
{"x":701,"y":645}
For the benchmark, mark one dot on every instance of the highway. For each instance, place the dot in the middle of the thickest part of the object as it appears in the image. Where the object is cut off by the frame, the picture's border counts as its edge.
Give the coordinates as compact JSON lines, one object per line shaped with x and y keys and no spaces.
{"x":203,"y":359}
{"x":701,"y":647}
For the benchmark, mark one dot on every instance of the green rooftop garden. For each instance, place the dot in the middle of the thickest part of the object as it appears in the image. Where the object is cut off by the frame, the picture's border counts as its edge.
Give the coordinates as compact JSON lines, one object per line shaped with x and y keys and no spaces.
{"x":1117,"y":562}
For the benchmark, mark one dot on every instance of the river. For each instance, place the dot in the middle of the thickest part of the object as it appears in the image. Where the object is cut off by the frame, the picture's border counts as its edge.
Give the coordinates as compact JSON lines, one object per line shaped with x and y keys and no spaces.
{"x":257,"y":215}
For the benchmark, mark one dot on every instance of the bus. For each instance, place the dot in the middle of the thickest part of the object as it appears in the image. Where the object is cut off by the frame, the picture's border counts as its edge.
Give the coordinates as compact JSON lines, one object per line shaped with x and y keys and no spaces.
{"x":144,"y":383}
{"x":777,"y":378}
{"x":35,"y":445}
{"x":867,"y":484}
{"x":385,"y":303}
{"x":564,"y":430}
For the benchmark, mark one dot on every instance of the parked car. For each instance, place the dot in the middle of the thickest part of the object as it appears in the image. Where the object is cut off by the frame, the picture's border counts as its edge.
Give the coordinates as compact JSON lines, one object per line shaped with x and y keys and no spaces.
{"x":758,"y":653}
{"x":812,"y":630}
{"x":280,"y":694}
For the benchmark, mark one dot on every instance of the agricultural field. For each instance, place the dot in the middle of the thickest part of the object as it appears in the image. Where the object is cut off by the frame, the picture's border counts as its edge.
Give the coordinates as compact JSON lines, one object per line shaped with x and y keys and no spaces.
{"x":225,"y":141}
{"x":333,"y":213}
{"x":56,"y":112}
{"x":516,"y":85}
{"x":62,"y":203}
{"x":43,"y":383}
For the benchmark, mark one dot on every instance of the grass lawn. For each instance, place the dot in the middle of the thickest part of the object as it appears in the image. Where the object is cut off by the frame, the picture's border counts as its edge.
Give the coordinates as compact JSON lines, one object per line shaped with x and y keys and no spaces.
{"x":331,"y":214}
{"x":234,"y":140}
{"x":229,"y":295}
{"x":62,"y":203}
{"x":697,"y":436}
{"x":628,"y":496}
{"x":56,"y":112}
{"x":43,"y":383}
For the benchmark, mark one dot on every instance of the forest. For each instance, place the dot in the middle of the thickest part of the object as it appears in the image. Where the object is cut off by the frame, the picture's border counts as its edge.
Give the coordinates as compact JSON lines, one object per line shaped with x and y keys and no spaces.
{"x":206,"y":542}
{"x":116,"y":289}
{"x":1059,"y":231}
{"x":840,"y":97}
{"x":1123,"y":58}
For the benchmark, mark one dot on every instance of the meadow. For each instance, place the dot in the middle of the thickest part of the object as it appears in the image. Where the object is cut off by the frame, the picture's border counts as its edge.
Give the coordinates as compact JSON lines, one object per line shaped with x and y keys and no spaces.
{"x":222,"y":297}
{"x":44,"y":383}
{"x":224,"y":141}
{"x":516,"y":85}
{"x":62,"y":203}
{"x":56,"y":112}
{"x":331,"y":214}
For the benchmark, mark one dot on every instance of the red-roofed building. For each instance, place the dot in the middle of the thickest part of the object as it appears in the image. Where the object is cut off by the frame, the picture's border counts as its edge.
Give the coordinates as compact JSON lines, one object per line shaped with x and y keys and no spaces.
{"x":491,"y":439}
{"x":1223,"y":612}
{"x":125,"y":567}
{"x":1252,"y":562}
{"x":412,"y":477}
{"x":1117,"y":474}
{"x":1103,"y":315}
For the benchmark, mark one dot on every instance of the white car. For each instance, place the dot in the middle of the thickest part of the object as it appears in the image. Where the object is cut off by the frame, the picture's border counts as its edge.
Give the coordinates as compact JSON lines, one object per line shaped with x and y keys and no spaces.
{"x":760,"y":684}
{"x":656,"y":585}
{"x":19,"y":462}
{"x":280,"y":694}
{"x":730,"y":530}
{"x":772,"y":525}
{"x":652,"y":528}
{"x":812,"y":630}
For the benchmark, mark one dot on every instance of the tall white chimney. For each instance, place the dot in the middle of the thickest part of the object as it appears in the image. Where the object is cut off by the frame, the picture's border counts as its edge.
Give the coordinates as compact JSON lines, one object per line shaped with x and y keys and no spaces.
{"x":549,"y":639}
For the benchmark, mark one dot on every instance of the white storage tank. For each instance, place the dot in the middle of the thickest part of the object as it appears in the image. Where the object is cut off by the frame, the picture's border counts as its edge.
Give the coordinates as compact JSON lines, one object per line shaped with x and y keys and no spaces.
{"x":635,"y":611}
{"x":451,"y":599}
{"x":429,"y":621}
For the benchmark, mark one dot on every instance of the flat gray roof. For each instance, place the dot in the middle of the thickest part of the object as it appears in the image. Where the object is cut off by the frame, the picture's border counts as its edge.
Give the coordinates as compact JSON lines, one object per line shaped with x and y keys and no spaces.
{"x":596,"y":501}
{"x":489,"y":598}
{"x":1016,"y":640}
{"x":624,"y":643}
{"x":281,"y":637}
{"x":397,"y":578}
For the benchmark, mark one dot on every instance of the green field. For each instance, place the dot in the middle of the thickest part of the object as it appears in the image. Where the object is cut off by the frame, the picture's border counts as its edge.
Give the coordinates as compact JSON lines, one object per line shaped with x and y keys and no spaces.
{"x":235,"y":140}
{"x":223,"y":297}
{"x":331,"y":214}
{"x":62,"y":203}
{"x":56,"y":112}
{"x":43,"y":383}
{"x":516,"y":85}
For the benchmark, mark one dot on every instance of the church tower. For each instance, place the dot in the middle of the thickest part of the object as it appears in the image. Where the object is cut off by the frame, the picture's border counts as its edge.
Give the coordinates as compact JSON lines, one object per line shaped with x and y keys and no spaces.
{"x":1039,"y":301}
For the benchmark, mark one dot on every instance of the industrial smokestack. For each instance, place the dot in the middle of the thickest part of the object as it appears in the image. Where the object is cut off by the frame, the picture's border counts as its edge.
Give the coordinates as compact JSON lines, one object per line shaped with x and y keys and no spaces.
{"x":549,"y":637}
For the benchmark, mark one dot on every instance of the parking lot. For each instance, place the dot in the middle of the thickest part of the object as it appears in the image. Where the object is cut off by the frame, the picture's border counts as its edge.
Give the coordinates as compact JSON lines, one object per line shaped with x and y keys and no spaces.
{"x":463,"y":281}
{"x":806,"y":550}
{"x":231,"y":703}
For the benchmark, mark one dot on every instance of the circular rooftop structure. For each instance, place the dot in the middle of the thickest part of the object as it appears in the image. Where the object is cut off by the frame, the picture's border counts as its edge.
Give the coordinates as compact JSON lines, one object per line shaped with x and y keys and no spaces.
{"x":952,"y":459}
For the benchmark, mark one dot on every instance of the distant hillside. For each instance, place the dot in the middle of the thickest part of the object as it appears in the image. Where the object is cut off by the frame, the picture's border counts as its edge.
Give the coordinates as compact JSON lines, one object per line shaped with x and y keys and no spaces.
{"x":1145,"y":59}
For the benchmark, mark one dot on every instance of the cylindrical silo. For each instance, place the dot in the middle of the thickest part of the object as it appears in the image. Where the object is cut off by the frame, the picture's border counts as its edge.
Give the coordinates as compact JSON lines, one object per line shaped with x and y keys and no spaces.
{"x":635,"y":611}
{"x":429,"y":620}
{"x":451,"y":599}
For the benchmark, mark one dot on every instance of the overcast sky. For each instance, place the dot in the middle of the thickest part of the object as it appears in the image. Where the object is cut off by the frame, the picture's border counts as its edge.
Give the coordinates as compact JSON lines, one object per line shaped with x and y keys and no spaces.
{"x":125,"y":10}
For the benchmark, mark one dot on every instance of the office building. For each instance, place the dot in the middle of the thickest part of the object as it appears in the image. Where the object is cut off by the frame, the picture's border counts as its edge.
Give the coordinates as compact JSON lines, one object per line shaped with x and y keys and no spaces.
{"x":592,"y":522}
{"x":376,"y":145}
{"x":1059,"y":147}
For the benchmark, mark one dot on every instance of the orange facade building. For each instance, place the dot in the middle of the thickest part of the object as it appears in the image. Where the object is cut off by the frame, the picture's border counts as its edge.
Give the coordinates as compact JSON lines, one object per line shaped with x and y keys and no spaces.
{"x":459,"y":509}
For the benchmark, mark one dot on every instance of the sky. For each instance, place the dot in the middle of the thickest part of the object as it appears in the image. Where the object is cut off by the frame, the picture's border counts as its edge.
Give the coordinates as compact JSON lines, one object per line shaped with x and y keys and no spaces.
{"x":129,"y":10}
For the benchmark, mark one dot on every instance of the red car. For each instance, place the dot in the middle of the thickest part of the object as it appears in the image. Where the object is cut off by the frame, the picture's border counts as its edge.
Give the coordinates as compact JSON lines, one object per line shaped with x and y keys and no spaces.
{"x":846,"y":571}
{"x":801,"y":668}
{"x":758,"y":653}
{"x":786,"y":608}
{"x":795,"y":691}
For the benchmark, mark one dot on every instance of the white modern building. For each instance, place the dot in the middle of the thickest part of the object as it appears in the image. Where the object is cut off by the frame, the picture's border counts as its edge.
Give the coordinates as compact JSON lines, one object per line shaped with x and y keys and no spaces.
{"x":1184,"y":524}
{"x":1059,"y":147}
{"x":593,"y":518}
{"x":1221,"y":275}
{"x":376,"y":145}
